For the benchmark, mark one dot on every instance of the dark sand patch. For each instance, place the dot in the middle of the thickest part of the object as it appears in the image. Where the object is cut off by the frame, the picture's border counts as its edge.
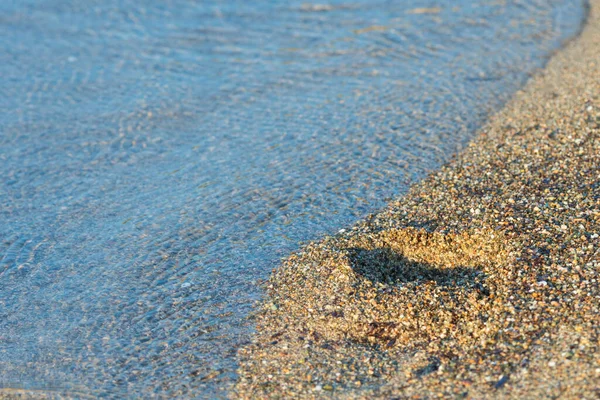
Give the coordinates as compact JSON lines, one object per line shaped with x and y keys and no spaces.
{"x":396,"y":287}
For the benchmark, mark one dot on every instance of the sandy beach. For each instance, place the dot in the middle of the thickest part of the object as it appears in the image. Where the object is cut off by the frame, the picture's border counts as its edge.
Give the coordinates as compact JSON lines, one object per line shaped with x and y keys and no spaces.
{"x":482,"y":282}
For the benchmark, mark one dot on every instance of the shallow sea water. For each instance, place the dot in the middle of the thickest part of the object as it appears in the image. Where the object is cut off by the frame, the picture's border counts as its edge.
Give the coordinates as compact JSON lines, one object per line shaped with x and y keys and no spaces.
{"x":158,"y":158}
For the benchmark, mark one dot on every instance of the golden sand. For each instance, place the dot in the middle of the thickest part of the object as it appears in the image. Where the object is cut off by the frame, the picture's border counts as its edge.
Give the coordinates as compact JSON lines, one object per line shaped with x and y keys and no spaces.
{"x":482,"y":282}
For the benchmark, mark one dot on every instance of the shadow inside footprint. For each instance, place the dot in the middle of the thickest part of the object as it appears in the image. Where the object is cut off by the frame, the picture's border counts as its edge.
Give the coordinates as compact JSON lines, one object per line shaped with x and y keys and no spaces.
{"x":387,"y":266}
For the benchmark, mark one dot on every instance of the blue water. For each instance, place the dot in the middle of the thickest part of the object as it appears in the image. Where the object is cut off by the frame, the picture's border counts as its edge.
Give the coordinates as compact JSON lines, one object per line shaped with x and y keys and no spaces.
{"x":158,"y":158}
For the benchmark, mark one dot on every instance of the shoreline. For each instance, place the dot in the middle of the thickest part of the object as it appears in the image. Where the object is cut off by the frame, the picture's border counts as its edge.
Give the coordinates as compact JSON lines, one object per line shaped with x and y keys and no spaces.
{"x":482,"y":281}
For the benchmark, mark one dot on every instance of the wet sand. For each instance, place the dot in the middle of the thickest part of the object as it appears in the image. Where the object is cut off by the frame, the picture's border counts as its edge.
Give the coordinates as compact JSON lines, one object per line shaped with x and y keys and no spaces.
{"x":482,"y":282}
